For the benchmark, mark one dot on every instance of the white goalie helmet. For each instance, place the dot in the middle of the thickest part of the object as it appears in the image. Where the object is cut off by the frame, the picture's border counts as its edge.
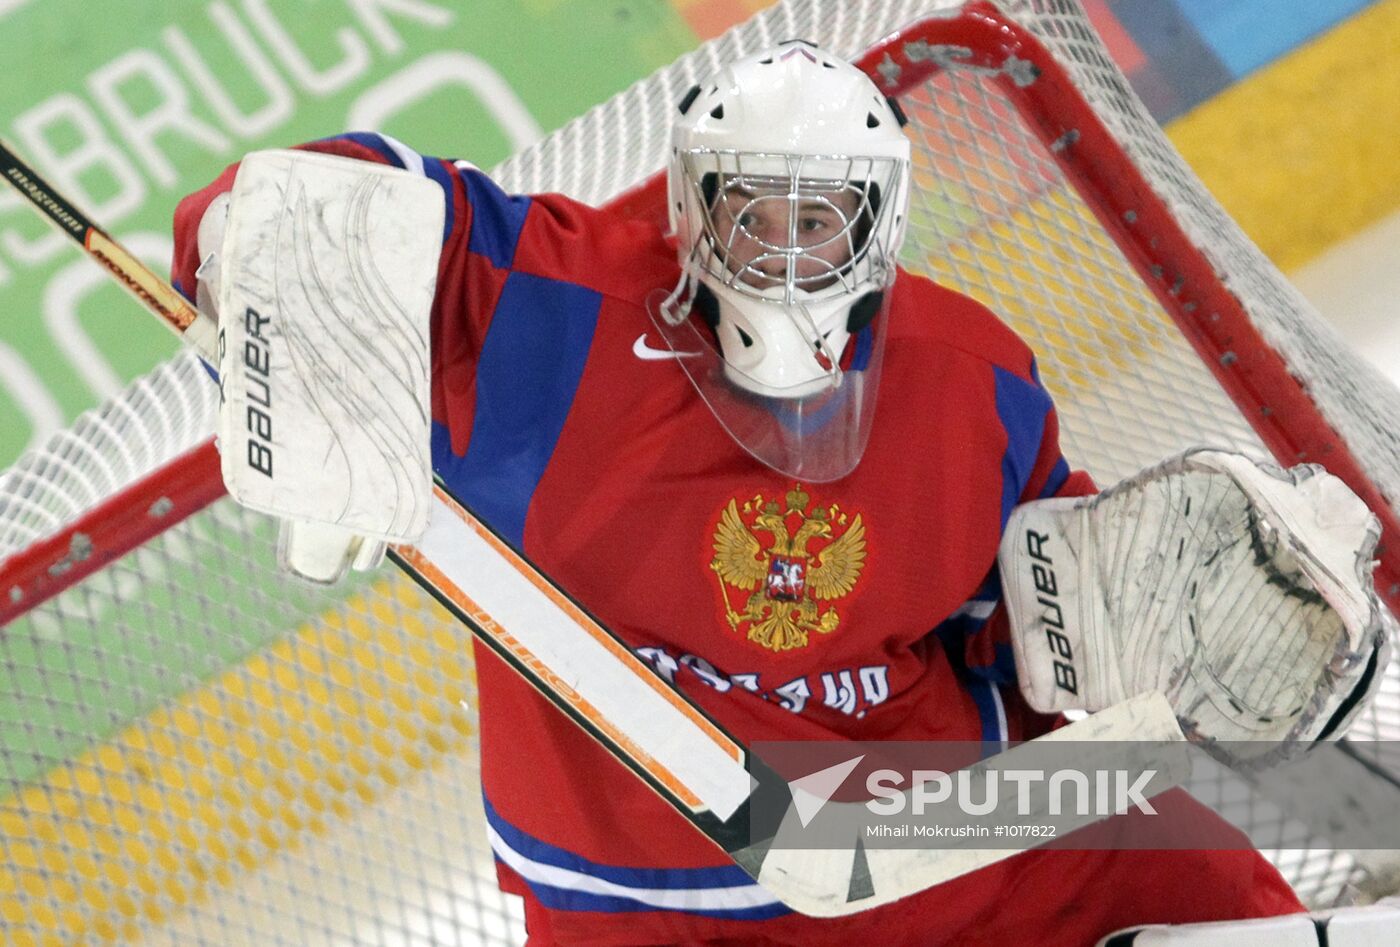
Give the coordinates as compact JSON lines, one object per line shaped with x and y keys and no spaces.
{"x":788,"y":191}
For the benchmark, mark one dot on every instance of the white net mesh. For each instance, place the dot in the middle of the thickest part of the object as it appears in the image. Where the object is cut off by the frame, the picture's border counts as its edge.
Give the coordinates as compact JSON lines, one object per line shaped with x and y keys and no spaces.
{"x":158,"y":417}
{"x":204,"y":751}
{"x":194,"y":750}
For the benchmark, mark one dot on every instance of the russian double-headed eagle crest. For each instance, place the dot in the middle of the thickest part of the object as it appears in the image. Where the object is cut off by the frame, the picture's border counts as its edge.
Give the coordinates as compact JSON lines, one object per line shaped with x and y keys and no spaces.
{"x":782,"y":567}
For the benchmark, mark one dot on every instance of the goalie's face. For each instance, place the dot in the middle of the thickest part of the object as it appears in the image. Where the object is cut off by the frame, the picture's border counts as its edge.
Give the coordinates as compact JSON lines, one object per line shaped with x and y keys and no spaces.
{"x":770,"y":236}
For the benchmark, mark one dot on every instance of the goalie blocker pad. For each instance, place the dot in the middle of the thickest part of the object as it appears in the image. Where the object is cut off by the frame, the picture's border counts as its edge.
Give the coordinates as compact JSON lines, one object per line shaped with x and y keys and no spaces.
{"x":328,"y":268}
{"x":1242,"y":592}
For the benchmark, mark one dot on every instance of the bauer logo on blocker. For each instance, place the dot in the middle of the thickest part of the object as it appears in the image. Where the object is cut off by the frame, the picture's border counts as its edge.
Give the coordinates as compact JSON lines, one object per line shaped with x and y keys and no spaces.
{"x":257,"y":360}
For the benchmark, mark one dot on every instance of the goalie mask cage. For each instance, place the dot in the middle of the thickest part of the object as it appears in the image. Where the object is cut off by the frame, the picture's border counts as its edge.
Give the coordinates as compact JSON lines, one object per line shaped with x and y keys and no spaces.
{"x":198,"y":750}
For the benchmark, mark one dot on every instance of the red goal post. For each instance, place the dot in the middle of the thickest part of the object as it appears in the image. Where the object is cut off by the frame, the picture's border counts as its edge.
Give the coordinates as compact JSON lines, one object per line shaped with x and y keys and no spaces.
{"x":291,"y":734}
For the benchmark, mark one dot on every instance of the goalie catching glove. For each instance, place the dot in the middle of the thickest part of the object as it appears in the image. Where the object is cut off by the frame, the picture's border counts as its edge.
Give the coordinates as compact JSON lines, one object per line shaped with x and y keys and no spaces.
{"x":1242,"y":592}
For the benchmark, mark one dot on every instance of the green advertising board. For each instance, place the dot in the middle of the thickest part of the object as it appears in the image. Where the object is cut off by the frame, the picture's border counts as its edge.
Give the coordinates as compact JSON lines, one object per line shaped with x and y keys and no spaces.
{"x":127,"y":105}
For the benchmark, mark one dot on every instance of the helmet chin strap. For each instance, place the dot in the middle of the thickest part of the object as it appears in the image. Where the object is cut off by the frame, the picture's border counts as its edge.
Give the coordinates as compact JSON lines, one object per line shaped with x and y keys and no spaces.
{"x":801,"y":317}
{"x":685,"y":296}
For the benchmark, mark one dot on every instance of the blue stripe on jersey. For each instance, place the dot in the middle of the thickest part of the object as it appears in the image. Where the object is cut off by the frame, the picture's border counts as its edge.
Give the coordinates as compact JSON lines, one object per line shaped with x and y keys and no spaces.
{"x":969,"y":620}
{"x":373,"y":142}
{"x":954,"y":635}
{"x":433,"y":168}
{"x":954,"y":632}
{"x":865,"y":345}
{"x":497,"y":218}
{"x":1058,"y":475}
{"x":979,"y":682}
{"x":537,"y":850}
{"x":565,"y":899}
{"x":1004,"y":664}
{"x":696,"y":887}
{"x":988,"y":703}
{"x":531,"y":362}
{"x":1022,"y":407}
{"x":1002,"y":670}
{"x":1060,"y":472}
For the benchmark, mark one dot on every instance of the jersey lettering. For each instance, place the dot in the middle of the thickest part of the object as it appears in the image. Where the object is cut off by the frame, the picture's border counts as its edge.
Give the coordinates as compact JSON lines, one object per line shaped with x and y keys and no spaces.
{"x":661,"y":662}
{"x":852,"y":693}
{"x":793,"y":695}
{"x":705,"y":671}
{"x":839,"y":691}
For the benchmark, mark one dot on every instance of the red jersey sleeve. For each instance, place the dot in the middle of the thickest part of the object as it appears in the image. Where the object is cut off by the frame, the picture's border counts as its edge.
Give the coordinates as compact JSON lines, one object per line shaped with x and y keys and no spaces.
{"x":1033,"y":468}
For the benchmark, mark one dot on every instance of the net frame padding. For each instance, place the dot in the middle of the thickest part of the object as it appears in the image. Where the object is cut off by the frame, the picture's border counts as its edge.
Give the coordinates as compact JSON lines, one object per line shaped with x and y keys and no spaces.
{"x":200,"y":751}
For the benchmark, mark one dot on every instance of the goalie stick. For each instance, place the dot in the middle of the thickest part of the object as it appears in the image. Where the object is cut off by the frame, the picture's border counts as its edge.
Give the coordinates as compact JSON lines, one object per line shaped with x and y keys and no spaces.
{"x":135,"y":277}
{"x":705,"y":773}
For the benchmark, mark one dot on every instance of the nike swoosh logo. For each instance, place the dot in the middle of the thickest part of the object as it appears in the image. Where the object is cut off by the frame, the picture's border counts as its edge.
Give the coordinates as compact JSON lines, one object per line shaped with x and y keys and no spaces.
{"x":648,"y":354}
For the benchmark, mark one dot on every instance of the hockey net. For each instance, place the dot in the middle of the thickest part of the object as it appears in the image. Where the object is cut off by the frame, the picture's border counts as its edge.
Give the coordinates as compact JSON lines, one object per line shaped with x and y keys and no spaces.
{"x":198,"y":750}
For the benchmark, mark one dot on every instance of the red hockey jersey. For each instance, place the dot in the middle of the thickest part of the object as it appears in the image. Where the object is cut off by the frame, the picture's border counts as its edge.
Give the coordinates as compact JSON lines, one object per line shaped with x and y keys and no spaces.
{"x":562,"y":419}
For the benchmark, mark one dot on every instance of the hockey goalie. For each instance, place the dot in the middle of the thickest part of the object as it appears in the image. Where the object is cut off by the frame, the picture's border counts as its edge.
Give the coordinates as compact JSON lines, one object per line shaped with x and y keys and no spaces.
{"x":784,"y":471}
